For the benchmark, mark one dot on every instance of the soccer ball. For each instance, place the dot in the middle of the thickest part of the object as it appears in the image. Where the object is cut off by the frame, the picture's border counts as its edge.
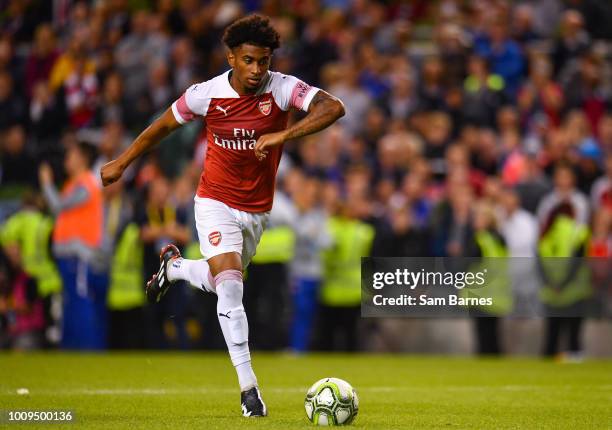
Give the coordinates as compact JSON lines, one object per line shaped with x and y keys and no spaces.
{"x":331,"y":402}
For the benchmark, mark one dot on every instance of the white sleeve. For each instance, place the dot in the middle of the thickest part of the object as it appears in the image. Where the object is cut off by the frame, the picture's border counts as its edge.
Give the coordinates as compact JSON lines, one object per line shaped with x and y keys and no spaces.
{"x":291,"y":92}
{"x":194,"y":102}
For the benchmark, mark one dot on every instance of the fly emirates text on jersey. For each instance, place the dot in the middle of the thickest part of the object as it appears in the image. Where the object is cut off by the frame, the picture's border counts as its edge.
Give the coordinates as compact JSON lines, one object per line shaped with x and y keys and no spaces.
{"x":243,"y":139}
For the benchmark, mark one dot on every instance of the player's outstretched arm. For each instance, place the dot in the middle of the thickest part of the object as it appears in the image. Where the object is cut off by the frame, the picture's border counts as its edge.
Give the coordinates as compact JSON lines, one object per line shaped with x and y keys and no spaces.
{"x":323,"y":111}
{"x":160,"y":128}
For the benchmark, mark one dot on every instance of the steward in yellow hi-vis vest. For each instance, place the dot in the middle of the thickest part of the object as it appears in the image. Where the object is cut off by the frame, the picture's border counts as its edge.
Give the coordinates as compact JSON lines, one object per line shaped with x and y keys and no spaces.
{"x":125,"y":251}
{"x":266,"y":287}
{"x":494,"y":261}
{"x":126,"y":277}
{"x":277,"y":245}
{"x":340,"y":296}
{"x":564,"y":239}
{"x":30,"y":230}
{"x":565,"y":276}
{"x":352,"y":239}
{"x":25,"y":238}
{"x":496,"y":289}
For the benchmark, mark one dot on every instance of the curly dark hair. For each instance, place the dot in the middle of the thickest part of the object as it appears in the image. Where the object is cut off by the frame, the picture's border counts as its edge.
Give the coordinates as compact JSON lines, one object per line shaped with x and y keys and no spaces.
{"x":253,"y":29}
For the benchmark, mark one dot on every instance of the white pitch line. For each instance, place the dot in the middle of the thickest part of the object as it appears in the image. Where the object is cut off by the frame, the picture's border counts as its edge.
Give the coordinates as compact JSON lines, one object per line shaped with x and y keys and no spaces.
{"x":158,"y":391}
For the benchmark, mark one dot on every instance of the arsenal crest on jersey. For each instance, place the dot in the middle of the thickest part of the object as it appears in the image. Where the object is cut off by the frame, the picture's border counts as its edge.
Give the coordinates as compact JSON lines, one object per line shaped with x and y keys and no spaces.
{"x":214,"y":238}
{"x":265,"y":107}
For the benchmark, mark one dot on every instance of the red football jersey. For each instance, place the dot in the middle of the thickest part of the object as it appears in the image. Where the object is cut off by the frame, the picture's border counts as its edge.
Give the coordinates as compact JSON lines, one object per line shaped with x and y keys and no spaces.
{"x":232,"y":173}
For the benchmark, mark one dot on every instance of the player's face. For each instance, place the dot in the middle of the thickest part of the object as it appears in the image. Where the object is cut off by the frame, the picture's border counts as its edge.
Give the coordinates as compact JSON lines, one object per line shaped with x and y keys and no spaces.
{"x":250,"y":64}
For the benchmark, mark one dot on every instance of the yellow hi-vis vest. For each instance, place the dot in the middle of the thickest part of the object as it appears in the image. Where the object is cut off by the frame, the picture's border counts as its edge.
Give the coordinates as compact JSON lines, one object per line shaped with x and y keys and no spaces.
{"x":30,"y":231}
{"x":342,"y":262}
{"x":277,"y":245}
{"x":192,"y":251}
{"x":126,"y":289}
{"x":497,"y":282}
{"x":563,"y":239}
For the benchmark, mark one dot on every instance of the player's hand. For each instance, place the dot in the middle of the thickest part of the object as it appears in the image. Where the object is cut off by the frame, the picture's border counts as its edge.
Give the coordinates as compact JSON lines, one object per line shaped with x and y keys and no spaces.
{"x":111,"y":172}
{"x":45,"y":174}
{"x":267,"y":141}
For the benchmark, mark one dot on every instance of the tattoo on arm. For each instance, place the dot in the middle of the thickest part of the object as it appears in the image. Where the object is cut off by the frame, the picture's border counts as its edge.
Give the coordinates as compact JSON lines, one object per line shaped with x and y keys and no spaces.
{"x":319,"y":97}
{"x":323,"y":111}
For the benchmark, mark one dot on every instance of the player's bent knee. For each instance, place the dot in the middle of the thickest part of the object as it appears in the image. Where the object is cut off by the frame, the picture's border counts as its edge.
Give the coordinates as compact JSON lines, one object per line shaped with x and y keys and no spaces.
{"x":228,"y":275}
{"x":229,"y":287}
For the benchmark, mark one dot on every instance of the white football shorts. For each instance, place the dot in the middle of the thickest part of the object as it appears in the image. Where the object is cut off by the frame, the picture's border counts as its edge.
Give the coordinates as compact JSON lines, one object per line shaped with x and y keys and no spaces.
{"x":223,"y":229}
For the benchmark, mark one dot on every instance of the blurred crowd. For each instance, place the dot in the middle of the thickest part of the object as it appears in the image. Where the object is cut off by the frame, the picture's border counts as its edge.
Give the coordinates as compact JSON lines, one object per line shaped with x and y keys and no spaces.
{"x":472,"y":128}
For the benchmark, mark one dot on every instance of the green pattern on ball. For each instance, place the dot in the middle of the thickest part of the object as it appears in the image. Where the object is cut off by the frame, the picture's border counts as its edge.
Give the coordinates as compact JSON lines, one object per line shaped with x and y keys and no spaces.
{"x":333,"y":398}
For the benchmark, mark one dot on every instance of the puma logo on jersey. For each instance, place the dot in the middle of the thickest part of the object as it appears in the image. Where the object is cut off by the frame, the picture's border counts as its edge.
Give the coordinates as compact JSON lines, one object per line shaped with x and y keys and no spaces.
{"x":224,"y":110}
{"x":225,"y":315}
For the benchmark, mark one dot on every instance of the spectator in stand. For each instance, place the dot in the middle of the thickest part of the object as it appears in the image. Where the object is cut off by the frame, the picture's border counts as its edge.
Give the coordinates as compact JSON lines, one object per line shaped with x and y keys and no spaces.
{"x":564,"y":192}
{"x":503,"y":53}
{"x":402,"y":100}
{"x":431,"y":86}
{"x":586,"y":90}
{"x":453,"y":44}
{"x":570,"y":44}
{"x":482,"y":93}
{"x":399,"y":235}
{"x":601,"y":191}
{"x":67,"y":62}
{"x":17,"y":163}
{"x":515,"y":219}
{"x":452,"y":233}
{"x":437,"y":135}
{"x":457,"y":159}
{"x":12,"y":105}
{"x":604,"y":133}
{"x":600,"y":243}
{"x":112,"y":141}
{"x":507,"y":120}
{"x":48,"y":118}
{"x":42,"y":58}
{"x":10,"y":62}
{"x":135,"y":54}
{"x":588,"y":164}
{"x":540,"y":94}
{"x":342,"y":80}
{"x":74,"y":74}
{"x":414,"y":189}
{"x":523,"y":30}
{"x":113,"y":105}
{"x":522,"y":249}
{"x":160,"y":89}
{"x":183,"y":68}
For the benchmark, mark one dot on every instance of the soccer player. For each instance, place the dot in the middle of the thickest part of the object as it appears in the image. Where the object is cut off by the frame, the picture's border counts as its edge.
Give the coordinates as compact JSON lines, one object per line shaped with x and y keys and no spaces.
{"x":245,"y":110}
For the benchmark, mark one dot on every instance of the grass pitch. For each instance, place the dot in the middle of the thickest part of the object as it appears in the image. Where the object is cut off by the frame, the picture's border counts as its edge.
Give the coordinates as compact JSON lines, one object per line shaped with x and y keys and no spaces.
{"x":199,"y":390}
